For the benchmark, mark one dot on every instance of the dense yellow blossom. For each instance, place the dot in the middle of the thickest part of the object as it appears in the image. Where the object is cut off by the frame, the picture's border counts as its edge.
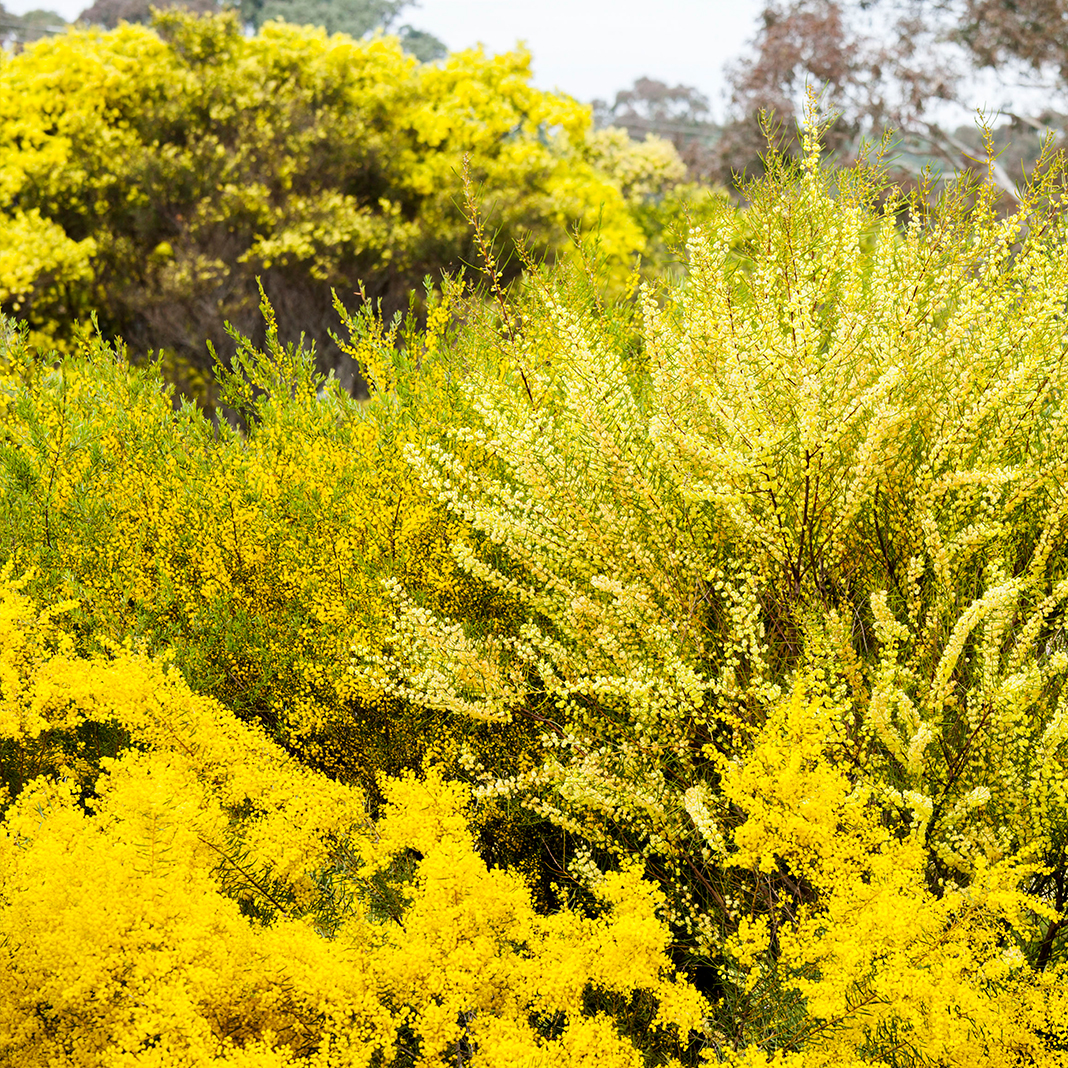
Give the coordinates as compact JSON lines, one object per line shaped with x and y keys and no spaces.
{"x":873,"y":952}
{"x":36,"y":254}
{"x":208,"y":900}
{"x":740,"y":606}
{"x":152,"y":175}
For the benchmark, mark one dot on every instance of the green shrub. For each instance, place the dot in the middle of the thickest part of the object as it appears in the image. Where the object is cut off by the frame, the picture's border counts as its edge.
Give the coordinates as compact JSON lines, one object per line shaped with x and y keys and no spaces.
{"x":152,"y":175}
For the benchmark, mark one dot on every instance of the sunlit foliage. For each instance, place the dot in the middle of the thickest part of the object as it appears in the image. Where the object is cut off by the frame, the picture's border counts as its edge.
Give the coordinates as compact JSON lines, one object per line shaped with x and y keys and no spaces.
{"x":206,"y":899}
{"x":744,"y":595}
{"x":153,"y":174}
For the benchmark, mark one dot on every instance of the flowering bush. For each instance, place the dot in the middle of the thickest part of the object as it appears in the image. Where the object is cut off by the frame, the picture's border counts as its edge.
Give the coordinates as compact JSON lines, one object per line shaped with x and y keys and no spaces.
{"x":255,"y":557}
{"x":206,"y":899}
{"x":151,"y":175}
{"x":839,"y":459}
{"x":734,"y":611}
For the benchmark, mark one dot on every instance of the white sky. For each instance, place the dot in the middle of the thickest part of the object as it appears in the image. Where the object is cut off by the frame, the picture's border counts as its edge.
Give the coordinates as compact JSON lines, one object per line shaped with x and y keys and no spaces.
{"x":588,"y":48}
{"x":592,"y":48}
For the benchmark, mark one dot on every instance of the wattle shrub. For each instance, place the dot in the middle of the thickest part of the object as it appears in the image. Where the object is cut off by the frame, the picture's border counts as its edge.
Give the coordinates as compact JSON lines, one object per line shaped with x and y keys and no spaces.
{"x":835,"y":460}
{"x":204,"y":899}
{"x":752,"y":585}
{"x":152,"y":175}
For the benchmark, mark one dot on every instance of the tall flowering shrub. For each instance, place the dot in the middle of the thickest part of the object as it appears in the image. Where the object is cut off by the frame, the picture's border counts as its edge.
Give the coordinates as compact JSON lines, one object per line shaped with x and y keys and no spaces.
{"x":152,"y":175}
{"x":839,"y":457}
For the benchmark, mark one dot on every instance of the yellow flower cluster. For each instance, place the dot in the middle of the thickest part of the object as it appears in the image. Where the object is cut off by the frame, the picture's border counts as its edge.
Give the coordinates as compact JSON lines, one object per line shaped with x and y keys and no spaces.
{"x":217,"y":903}
{"x":867,"y":945}
{"x":36,"y":252}
{"x":151,"y":173}
{"x":254,"y":558}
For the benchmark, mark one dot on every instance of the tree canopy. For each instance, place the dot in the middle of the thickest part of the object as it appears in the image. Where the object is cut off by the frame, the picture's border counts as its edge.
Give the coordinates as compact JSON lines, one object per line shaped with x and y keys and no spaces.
{"x":151,"y":175}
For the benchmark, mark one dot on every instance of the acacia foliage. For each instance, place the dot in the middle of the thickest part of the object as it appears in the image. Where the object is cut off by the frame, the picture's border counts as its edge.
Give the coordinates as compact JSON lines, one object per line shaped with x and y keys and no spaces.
{"x":757,"y":581}
{"x":214,"y":902}
{"x":253,"y":556}
{"x":151,"y":175}
{"x":843,"y":463}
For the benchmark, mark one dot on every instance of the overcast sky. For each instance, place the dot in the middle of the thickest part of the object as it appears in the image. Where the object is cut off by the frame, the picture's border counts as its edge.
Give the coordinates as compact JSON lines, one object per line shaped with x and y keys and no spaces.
{"x":588,"y":48}
{"x":592,"y":48}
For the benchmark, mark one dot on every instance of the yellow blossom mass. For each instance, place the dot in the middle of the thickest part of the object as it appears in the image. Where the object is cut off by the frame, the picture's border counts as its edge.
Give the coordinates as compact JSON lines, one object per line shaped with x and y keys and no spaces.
{"x":648,"y":674}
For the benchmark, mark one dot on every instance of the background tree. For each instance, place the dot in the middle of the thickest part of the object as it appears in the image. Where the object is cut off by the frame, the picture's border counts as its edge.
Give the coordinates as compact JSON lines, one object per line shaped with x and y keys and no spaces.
{"x":679,"y":114}
{"x":161,"y":175}
{"x":109,"y":13}
{"x":19,"y":29}
{"x":893,"y":64}
{"x":359,"y":16}
{"x":1029,"y":32}
{"x":354,"y":17}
